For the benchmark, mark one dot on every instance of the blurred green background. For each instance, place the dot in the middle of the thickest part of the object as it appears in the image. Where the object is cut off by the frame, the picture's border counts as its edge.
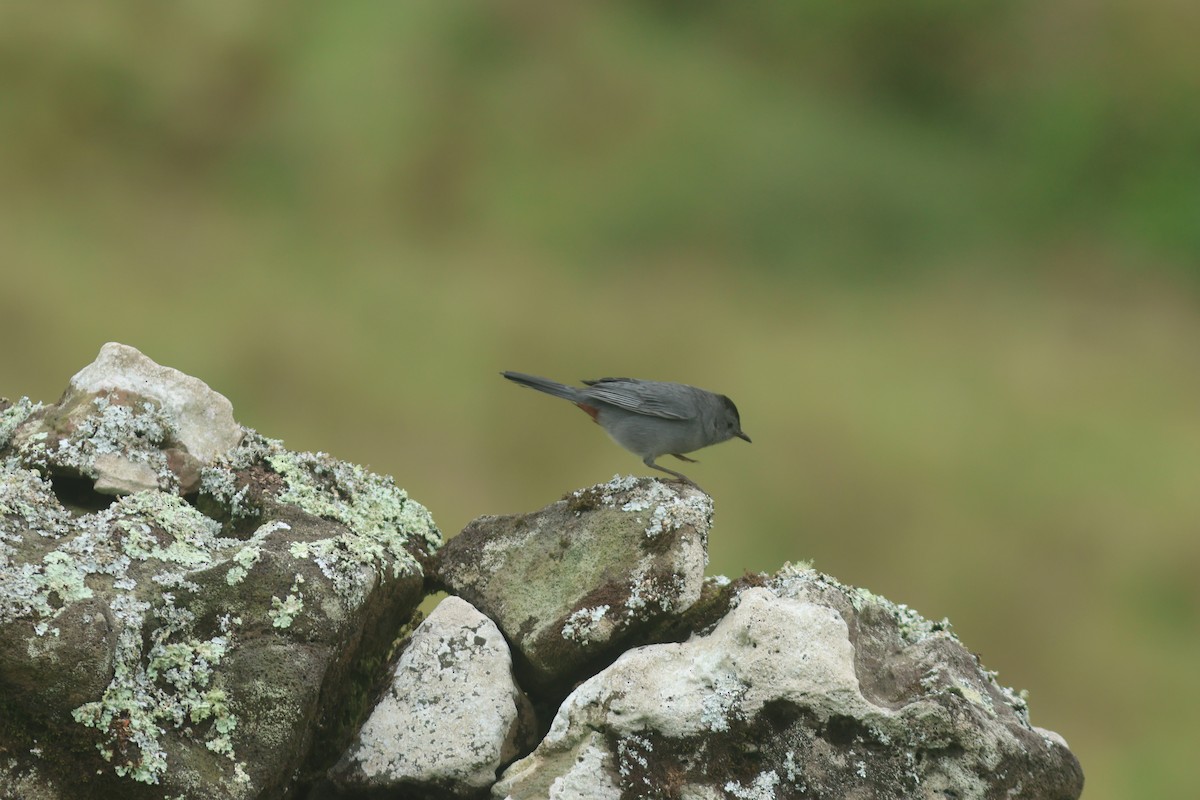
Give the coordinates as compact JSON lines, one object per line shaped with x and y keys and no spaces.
{"x":943,"y":255}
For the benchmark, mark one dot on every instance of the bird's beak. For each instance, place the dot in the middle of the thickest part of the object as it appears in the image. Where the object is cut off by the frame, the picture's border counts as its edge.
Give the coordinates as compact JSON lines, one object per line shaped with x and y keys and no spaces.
{"x":741,"y":435}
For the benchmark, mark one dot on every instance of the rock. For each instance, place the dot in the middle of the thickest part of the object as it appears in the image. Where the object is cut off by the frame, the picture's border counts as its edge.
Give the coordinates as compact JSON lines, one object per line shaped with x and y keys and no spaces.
{"x":584,"y":769}
{"x":28,"y":784}
{"x":117,"y":475}
{"x":149,"y":649}
{"x":188,"y":609}
{"x":203,"y":419}
{"x":451,"y":718}
{"x":129,"y":425}
{"x":806,"y":688}
{"x":584,"y":578}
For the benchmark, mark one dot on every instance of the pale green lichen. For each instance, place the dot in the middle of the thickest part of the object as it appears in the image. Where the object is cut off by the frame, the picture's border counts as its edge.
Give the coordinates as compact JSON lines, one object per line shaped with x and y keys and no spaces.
{"x":166,"y":684}
{"x":973,"y":694}
{"x":62,"y":576}
{"x":245,"y":558}
{"x":722,"y":701}
{"x":380,"y":514}
{"x":136,"y":433}
{"x":763,"y":787}
{"x":648,"y":590}
{"x":171,"y":685}
{"x":633,"y":756}
{"x":911,"y":625}
{"x":13,"y":416}
{"x":193,"y":536}
{"x":283,"y":612}
{"x":586,"y":625}
{"x":382,"y":522}
{"x":220,"y":483}
{"x":670,"y":508}
{"x":25,"y":496}
{"x":164,"y":674}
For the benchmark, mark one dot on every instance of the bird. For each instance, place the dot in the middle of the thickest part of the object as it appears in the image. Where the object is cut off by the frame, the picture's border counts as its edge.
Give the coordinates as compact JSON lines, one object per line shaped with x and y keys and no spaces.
{"x":649,"y":418}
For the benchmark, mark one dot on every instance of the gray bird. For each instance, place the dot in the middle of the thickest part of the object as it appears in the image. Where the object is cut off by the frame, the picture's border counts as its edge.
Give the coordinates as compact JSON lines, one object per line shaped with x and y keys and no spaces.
{"x":650,"y":418}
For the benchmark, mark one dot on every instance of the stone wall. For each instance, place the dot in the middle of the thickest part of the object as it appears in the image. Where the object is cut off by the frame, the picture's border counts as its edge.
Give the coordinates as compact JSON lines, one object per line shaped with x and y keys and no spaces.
{"x":190,"y":610}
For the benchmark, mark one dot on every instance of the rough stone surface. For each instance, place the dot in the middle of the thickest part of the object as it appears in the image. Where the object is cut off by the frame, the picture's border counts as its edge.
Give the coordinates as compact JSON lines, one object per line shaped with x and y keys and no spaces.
{"x":116,"y":474}
{"x":806,"y":688}
{"x":203,"y":418}
{"x":129,"y":425}
{"x":189,"y":610}
{"x":151,"y":647}
{"x":452,"y":716}
{"x":584,"y":578}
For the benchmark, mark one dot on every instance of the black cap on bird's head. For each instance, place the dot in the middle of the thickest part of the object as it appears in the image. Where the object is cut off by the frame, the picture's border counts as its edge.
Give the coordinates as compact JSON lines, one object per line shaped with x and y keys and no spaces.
{"x":733,"y":419}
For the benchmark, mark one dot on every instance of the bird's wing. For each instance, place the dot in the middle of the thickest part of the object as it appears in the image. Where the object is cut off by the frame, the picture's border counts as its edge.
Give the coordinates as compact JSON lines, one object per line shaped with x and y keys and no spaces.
{"x":640,"y":397}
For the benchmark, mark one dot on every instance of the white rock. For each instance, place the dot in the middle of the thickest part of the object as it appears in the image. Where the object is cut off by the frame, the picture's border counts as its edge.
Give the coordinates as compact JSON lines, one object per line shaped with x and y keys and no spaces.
{"x":452,"y":716}
{"x":584,"y":772}
{"x":203,"y":418}
{"x":574,"y":584}
{"x":767,"y":648}
{"x":805,"y":688}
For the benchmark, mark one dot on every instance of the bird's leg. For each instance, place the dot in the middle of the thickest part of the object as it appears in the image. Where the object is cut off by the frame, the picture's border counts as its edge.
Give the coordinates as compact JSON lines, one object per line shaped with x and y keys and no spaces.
{"x":649,"y":462}
{"x":682,"y":457}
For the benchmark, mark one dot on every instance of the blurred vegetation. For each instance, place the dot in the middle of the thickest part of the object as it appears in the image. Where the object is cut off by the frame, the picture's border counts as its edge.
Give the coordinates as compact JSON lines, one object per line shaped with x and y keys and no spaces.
{"x":943,"y":255}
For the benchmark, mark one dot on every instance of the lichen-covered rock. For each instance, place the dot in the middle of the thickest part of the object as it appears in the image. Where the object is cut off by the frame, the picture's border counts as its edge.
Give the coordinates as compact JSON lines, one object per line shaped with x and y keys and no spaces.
{"x":806,"y":688}
{"x":149,"y":648}
{"x":203,"y":419}
{"x":451,"y":717}
{"x":128,"y":425}
{"x":584,"y":578}
{"x":188,"y":609}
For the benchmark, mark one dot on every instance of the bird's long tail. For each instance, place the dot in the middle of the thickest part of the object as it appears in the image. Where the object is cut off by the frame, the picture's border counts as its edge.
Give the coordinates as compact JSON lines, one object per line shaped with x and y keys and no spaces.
{"x":544,"y":385}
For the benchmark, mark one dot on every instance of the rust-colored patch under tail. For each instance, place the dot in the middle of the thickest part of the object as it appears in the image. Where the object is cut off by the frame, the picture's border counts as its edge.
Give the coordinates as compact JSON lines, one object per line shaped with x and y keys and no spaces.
{"x":591,"y":411}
